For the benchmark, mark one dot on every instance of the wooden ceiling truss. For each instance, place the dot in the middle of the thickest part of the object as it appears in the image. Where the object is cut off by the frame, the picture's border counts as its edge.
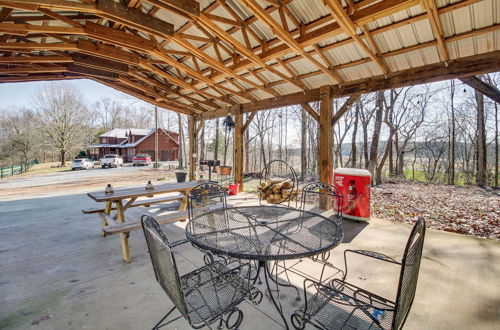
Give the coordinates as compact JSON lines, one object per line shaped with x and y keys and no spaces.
{"x":214,"y":63}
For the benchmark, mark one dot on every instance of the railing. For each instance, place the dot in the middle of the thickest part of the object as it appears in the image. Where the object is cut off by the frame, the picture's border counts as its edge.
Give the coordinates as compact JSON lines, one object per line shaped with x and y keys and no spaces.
{"x":16,"y":169}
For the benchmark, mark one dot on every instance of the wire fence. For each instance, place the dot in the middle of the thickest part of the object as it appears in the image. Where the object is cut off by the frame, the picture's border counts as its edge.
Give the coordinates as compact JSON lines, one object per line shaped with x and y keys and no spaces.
{"x":16,"y":169}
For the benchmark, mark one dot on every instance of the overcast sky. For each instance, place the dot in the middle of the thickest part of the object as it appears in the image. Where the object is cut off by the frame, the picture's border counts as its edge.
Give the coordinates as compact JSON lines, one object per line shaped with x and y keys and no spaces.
{"x":20,"y":94}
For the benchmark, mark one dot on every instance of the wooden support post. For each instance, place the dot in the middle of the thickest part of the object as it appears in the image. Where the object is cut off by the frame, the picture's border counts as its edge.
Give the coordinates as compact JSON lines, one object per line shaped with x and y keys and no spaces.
{"x":238,"y":150}
{"x":193,"y":157}
{"x":325,"y":142}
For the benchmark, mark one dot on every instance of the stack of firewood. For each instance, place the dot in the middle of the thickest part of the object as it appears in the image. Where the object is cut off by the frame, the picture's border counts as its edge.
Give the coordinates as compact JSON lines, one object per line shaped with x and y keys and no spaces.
{"x":275,"y":190}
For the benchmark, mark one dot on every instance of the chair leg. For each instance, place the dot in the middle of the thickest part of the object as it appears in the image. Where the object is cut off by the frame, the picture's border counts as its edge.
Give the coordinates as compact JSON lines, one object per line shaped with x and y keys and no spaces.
{"x":159,"y":325}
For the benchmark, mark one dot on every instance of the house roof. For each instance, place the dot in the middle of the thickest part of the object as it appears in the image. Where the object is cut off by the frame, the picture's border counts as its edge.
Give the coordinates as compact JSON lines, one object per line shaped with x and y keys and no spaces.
{"x":122,"y":133}
{"x":125,"y":144}
{"x":200,"y":57}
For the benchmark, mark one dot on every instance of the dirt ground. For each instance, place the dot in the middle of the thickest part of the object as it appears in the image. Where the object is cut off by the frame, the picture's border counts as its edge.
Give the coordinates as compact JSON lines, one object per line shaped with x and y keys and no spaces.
{"x":466,"y":210}
{"x":117,"y":177}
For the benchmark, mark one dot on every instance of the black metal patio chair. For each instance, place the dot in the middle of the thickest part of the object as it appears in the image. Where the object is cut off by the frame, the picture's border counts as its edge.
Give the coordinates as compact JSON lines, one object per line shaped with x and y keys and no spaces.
{"x":206,"y":295}
{"x":333,"y":197}
{"x":210,"y":196}
{"x":323,"y":190}
{"x":342,"y":305}
{"x":205,"y":197}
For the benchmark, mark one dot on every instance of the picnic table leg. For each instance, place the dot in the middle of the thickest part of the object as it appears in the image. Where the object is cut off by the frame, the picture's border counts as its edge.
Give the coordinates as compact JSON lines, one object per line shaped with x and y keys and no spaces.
{"x":184,"y":203}
{"x":107,"y":211}
{"x":123,"y":236}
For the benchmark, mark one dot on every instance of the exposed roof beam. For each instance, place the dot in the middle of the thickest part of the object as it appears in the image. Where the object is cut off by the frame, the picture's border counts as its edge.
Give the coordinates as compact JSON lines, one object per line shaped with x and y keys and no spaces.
{"x":36,"y":59}
{"x":482,"y":86}
{"x":141,"y":96}
{"x":432,"y":13}
{"x":307,"y":107}
{"x":344,"y":108}
{"x":285,"y":36}
{"x":332,"y":29}
{"x":463,"y":67}
{"x":135,"y":18}
{"x":349,"y":27}
{"x":190,"y":7}
{"x":33,"y":69}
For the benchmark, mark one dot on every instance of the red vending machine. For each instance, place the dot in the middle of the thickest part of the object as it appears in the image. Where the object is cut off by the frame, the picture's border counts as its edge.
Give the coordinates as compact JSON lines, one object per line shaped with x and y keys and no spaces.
{"x":354,"y":184}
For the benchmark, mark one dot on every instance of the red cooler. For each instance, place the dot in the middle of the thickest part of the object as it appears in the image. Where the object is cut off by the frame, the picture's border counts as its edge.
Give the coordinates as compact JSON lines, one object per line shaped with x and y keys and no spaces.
{"x":354,"y":184}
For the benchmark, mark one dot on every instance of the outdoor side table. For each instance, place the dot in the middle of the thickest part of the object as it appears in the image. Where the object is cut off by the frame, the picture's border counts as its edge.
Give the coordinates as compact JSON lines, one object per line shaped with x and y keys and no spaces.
{"x":264,"y":233}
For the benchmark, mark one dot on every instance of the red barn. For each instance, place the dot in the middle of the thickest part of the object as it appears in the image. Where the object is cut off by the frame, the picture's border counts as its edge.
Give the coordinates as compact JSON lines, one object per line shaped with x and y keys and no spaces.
{"x":127,"y":142}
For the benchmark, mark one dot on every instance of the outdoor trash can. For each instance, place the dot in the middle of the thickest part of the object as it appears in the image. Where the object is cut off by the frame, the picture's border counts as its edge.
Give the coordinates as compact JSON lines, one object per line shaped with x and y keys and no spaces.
{"x":180,"y":176}
{"x":233,"y":188}
{"x":354,"y":184}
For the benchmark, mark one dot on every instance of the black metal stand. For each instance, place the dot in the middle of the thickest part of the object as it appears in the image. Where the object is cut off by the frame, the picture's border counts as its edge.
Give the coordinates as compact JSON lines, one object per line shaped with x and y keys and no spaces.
{"x":276,"y":302}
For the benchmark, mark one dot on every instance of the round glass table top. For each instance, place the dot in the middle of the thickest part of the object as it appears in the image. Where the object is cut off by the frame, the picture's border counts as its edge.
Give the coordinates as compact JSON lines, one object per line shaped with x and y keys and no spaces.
{"x":264,"y":232}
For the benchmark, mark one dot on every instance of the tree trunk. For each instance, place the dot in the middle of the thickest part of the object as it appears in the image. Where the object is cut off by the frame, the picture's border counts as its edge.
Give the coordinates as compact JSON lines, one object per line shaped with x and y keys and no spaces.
{"x":453,"y":137}
{"x":181,"y":142}
{"x":202,"y":147}
{"x":216,"y":146}
{"x":63,"y":157}
{"x":354,"y":133}
{"x":379,"y":112}
{"x":247,"y":148}
{"x":380,"y":166}
{"x":303,"y":145}
{"x":481,"y":140}
{"x":391,"y":161}
{"x":496,"y":145}
{"x":401,"y":159}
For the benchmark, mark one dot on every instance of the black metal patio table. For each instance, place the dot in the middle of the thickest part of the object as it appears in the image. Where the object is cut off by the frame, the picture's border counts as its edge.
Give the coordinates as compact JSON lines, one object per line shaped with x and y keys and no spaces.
{"x":264,"y":233}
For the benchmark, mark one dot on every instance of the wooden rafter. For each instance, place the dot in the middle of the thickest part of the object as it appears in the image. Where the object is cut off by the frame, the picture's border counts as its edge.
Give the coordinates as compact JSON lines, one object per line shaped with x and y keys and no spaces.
{"x":285,"y":36}
{"x":215,"y":59}
{"x":464,"y":67}
{"x":349,"y":27}
{"x":487,"y":89}
{"x":432,"y":12}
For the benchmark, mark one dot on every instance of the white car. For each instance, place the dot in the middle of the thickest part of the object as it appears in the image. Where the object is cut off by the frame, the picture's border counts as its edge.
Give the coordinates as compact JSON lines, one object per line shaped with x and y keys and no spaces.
{"x":111,"y":160}
{"x":82,"y":163}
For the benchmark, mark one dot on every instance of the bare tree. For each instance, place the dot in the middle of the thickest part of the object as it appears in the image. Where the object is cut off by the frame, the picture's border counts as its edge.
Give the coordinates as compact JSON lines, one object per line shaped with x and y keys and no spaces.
{"x":481,"y":140}
{"x":452,"y":147}
{"x":61,"y":114}
{"x":379,"y":113}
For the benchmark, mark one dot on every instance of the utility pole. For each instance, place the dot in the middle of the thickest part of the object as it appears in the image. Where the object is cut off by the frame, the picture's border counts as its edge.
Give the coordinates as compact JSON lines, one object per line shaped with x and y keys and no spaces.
{"x":156,"y":136}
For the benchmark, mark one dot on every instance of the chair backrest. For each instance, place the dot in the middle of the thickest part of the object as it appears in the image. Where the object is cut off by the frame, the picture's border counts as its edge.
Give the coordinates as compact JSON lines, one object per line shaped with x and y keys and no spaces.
{"x":278,"y":170}
{"x":163,"y":260}
{"x":205,"y":195}
{"x":410,"y":267}
{"x":322,"y":190}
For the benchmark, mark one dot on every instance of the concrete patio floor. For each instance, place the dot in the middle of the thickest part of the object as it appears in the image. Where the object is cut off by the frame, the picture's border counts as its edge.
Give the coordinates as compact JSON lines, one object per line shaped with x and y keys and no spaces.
{"x":57,"y":272}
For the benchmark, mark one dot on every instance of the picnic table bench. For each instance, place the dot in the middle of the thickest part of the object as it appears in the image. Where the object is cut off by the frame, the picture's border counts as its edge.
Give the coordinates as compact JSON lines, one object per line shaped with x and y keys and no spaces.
{"x":123,"y":199}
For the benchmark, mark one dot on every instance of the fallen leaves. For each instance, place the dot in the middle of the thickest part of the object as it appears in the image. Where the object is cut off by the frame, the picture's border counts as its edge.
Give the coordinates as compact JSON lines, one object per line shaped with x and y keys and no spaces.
{"x":467,"y":210}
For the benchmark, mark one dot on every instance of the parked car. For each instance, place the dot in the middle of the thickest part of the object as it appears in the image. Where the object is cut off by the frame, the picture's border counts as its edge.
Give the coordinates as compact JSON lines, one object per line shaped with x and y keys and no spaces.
{"x":111,"y":160}
{"x":141,"y":159}
{"x":82,"y":163}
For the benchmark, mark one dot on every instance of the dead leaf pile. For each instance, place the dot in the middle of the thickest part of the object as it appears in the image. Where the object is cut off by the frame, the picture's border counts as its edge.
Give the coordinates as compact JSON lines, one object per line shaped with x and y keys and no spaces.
{"x":467,"y":210}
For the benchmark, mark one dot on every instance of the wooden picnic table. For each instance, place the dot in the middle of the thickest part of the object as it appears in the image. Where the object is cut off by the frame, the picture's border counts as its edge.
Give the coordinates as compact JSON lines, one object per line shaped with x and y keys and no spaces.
{"x":119,"y":224}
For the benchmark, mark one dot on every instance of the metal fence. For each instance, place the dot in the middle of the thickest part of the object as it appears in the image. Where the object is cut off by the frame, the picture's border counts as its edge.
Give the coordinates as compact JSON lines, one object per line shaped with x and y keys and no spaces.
{"x":16,"y":169}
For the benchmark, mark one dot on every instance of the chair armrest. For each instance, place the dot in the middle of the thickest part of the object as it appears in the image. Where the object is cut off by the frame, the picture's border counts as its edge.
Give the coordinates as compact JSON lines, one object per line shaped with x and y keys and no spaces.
{"x":371,"y":254}
{"x":360,"y":293}
{"x":179,"y":242}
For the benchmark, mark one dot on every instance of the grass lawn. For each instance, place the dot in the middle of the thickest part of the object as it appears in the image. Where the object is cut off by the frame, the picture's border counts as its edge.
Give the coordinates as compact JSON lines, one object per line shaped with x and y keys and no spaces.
{"x":46,"y":168}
